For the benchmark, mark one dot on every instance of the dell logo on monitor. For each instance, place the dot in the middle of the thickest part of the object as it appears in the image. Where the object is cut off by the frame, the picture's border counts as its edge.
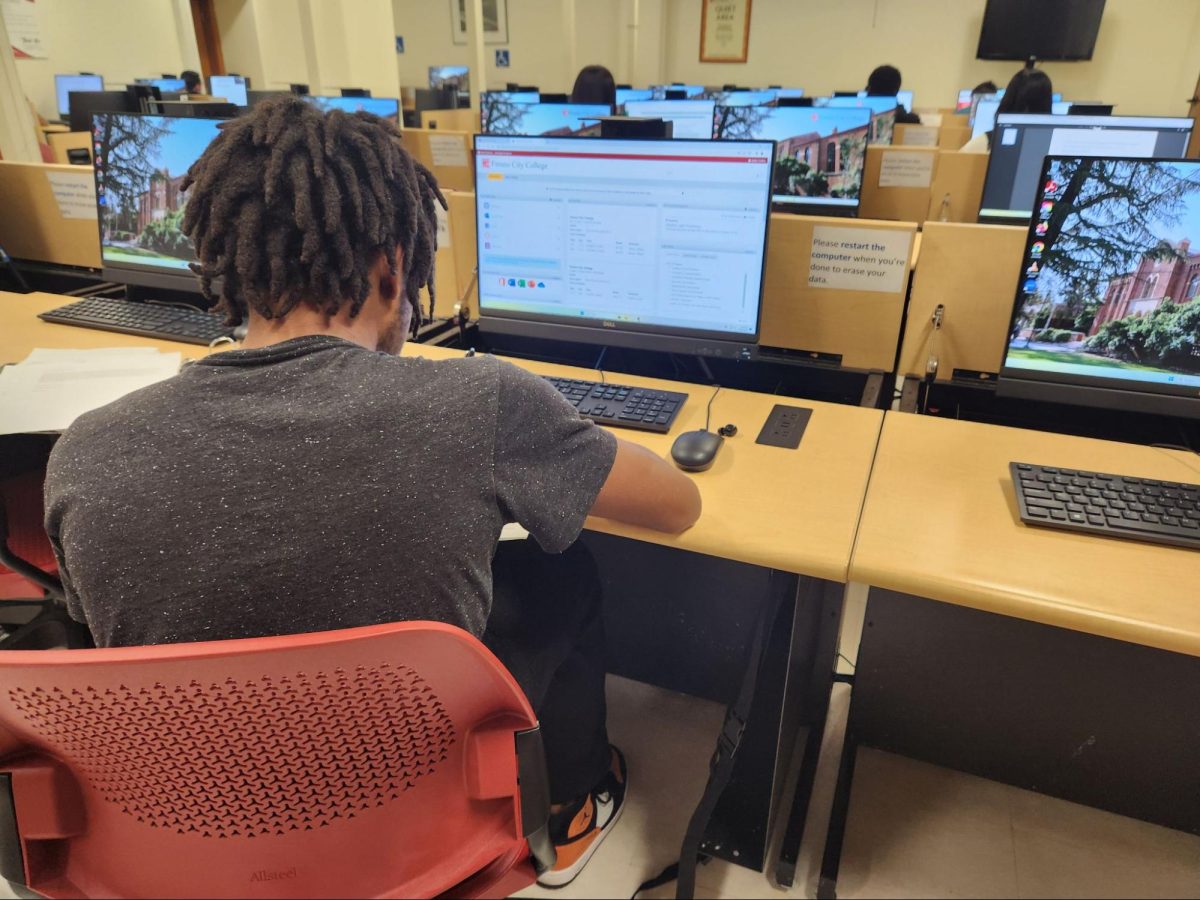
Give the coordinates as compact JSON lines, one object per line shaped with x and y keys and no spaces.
{"x":609,"y":324}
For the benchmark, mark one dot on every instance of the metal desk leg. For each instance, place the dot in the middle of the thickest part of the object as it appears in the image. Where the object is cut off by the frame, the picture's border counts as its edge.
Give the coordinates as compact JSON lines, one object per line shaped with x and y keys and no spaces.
{"x":835,"y":834}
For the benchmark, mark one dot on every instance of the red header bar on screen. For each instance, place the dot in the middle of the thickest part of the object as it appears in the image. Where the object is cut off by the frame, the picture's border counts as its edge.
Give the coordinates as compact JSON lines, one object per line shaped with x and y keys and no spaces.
{"x":648,"y":156}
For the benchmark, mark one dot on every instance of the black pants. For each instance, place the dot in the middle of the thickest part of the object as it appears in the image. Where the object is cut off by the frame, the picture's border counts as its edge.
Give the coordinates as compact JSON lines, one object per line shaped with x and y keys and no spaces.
{"x":547,"y":629}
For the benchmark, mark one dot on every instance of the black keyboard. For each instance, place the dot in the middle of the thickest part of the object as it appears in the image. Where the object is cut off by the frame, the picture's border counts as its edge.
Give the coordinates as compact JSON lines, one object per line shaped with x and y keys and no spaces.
{"x":172,"y":323}
{"x":620,"y":405}
{"x":1141,"y":509}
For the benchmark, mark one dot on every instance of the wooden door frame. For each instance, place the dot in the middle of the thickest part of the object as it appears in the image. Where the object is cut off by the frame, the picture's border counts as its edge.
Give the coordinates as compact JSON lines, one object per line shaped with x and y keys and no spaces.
{"x":208,"y":38}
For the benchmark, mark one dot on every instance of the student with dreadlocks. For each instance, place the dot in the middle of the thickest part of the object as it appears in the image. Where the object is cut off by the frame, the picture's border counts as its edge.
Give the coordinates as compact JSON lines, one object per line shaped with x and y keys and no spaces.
{"x":313,"y":480}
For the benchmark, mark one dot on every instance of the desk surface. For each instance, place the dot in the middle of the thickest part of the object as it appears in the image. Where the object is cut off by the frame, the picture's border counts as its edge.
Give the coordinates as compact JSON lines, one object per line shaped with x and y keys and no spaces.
{"x":940,"y":521}
{"x":794,"y":510}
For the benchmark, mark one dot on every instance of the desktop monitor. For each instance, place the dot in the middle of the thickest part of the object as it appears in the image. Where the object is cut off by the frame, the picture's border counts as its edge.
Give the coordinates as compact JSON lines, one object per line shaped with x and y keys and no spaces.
{"x":231,"y":87}
{"x":86,"y":104}
{"x":690,"y":91}
{"x":384,"y":107}
{"x":883,"y":113}
{"x":65,"y":84}
{"x":140,"y":163}
{"x":164,"y":84}
{"x":688,"y":118}
{"x":819,"y":152}
{"x":457,"y":77}
{"x":1107,"y":311}
{"x":356,"y":92}
{"x":552,"y":119}
{"x":791,"y":93}
{"x":497,"y":107}
{"x":1020,"y":143}
{"x":744,"y":98}
{"x":625,"y":95}
{"x":658,"y":244}
{"x":905,"y":99}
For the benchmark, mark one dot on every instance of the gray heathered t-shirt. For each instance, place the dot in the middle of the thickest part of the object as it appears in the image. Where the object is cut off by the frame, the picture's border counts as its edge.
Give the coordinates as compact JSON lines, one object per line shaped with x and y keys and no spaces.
{"x":309,"y":486}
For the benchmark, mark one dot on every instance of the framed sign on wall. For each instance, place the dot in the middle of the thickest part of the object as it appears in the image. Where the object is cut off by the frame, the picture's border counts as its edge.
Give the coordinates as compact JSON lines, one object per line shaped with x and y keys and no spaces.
{"x":724,"y":30}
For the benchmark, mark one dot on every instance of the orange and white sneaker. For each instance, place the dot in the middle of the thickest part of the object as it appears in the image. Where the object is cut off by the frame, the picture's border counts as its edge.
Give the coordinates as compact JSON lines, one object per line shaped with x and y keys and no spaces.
{"x":578,"y":830}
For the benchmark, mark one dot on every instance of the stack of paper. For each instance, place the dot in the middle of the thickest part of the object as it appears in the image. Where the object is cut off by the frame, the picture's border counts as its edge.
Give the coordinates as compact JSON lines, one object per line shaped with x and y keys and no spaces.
{"x":50,"y":388}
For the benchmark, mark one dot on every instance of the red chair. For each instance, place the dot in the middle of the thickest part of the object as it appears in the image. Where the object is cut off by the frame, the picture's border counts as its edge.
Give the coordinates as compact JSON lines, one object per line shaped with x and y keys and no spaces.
{"x":396,"y":760}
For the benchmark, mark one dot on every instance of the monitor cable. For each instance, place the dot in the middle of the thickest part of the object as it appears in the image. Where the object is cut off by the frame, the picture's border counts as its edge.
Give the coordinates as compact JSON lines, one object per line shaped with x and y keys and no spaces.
{"x":725,"y":430}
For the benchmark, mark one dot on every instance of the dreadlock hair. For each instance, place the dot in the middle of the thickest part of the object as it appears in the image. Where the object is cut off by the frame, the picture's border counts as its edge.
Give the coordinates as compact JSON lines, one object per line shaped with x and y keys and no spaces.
{"x":290,"y":204}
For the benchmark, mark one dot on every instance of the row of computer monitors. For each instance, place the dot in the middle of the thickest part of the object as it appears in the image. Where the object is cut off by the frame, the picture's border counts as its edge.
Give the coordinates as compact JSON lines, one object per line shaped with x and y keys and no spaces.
{"x":661,"y":244}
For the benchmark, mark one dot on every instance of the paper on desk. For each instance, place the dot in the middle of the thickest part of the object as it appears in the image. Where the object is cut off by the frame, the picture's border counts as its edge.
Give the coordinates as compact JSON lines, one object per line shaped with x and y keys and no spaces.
{"x":51,"y":388}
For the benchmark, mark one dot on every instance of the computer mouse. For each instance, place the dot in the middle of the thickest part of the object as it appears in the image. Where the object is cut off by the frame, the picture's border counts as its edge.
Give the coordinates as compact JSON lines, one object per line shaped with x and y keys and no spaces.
{"x":694,"y":451}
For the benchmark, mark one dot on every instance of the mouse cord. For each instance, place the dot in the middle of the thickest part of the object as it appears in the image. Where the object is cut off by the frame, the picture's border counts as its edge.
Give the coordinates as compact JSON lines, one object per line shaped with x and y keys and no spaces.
{"x":708,"y":411}
{"x":599,"y":360}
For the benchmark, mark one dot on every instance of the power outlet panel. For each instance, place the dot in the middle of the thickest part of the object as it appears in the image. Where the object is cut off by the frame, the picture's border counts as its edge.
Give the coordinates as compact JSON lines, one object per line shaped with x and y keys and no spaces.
{"x":784,"y":426}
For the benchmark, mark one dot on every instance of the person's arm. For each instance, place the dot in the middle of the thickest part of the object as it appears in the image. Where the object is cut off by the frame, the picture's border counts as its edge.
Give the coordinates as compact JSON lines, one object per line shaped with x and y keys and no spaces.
{"x":643,"y":489}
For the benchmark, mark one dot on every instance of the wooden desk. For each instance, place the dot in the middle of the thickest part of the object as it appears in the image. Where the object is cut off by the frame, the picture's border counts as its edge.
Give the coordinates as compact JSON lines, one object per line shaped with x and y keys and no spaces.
{"x":791,"y":510}
{"x":1063,"y":663}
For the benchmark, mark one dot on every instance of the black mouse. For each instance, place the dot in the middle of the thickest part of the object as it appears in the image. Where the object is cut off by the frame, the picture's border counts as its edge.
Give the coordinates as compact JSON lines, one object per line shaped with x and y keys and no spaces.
{"x":694,"y":451}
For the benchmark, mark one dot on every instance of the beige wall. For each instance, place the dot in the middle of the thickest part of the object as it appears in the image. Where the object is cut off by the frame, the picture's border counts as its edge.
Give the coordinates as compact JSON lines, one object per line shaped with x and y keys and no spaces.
{"x":1147,"y":56}
{"x":118,"y":39}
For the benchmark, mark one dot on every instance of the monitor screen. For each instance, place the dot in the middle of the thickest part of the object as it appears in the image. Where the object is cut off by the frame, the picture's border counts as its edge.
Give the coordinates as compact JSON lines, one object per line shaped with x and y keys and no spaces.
{"x":231,"y":87}
{"x":788,"y":92}
{"x":744,"y":98}
{"x":166,"y":85}
{"x":691,"y":91}
{"x":496,"y":108}
{"x":450,"y":76}
{"x":140,"y":162}
{"x":905,"y":99}
{"x":883,"y":113}
{"x":819,"y":152}
{"x":1057,"y":30}
{"x":1021,"y":142}
{"x":612,"y":238}
{"x":385,"y":107}
{"x":625,"y":95}
{"x":64,"y":84}
{"x":552,"y":119}
{"x":1107,"y":311}
{"x":688,"y":118}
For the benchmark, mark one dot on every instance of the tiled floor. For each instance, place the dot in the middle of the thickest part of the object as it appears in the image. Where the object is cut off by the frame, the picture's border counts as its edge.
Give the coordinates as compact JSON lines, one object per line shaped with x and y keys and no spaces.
{"x":915,"y":830}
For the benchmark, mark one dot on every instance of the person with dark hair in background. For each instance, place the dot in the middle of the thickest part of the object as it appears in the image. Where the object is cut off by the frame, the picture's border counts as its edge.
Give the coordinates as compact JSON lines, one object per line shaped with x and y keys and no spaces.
{"x":1029,"y":91}
{"x":192,"y":82}
{"x":885,"y":82}
{"x":313,"y":479}
{"x":594,"y":84}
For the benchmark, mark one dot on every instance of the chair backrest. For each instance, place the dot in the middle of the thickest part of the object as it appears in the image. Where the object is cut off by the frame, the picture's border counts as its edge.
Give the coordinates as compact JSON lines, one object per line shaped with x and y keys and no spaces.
{"x":366,"y":762}
{"x":25,"y":536}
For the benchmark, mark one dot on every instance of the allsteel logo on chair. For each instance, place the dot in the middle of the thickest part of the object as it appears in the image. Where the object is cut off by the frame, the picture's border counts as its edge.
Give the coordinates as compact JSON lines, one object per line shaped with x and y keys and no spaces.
{"x":268,"y":875}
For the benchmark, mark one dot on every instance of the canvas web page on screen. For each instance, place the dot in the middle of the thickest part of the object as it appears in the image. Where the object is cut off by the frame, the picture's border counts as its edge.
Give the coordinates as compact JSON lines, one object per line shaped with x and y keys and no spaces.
{"x":668,"y":235}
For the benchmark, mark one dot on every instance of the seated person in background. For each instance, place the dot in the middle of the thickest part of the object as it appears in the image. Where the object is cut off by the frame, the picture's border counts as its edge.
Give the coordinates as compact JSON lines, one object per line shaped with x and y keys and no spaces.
{"x":314,"y":480}
{"x":1029,"y":91}
{"x":193,"y":85}
{"x":885,"y":82}
{"x":594,"y":84}
{"x":984,"y":87}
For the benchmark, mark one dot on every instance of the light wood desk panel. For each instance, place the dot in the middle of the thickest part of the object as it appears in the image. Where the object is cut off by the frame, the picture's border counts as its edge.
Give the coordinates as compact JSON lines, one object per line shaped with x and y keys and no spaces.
{"x":793,"y":510}
{"x":940,"y":521}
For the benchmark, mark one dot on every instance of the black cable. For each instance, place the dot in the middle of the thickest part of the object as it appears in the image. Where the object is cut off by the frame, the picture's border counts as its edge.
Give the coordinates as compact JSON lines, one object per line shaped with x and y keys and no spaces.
{"x":600,"y":359}
{"x":708,"y":411}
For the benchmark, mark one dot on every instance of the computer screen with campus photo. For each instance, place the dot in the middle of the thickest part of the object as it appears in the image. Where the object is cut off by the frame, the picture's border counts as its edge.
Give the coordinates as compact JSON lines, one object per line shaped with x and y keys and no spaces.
{"x":1108,"y":302}
{"x":743,"y":98}
{"x":64,"y":84}
{"x":819,"y":151}
{"x":496,"y":107}
{"x":166,"y":85}
{"x":604,"y":239}
{"x":384,"y":107}
{"x":550,"y":119}
{"x":231,"y":87}
{"x":1021,"y":143}
{"x":457,"y":77}
{"x":688,"y":118}
{"x":140,"y":162}
{"x":883,"y":113}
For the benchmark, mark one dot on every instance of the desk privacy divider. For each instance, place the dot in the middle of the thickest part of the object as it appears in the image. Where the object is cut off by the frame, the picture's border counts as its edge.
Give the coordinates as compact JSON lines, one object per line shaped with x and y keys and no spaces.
{"x":957,"y":188}
{"x":32,"y":223}
{"x":952,"y":137}
{"x":972,"y":271}
{"x":462,"y":236}
{"x":901,"y":203}
{"x":862,"y":326}
{"x":923,"y":135}
{"x":63,"y":141}
{"x":451,"y":119}
{"x":449,"y":155}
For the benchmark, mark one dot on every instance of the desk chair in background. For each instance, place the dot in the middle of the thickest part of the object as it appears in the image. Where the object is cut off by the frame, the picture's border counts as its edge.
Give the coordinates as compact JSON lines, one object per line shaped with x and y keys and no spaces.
{"x":396,"y":760}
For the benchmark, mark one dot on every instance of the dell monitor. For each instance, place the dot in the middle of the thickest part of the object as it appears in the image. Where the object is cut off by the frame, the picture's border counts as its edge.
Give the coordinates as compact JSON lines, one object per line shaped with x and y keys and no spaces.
{"x":788,"y":93}
{"x":164,"y":84}
{"x":1107,"y":311}
{"x":552,"y":119}
{"x":883,"y":113}
{"x":355,"y":92}
{"x":86,"y":104}
{"x":744,"y":98}
{"x":497,"y":107}
{"x":625,"y":95}
{"x":1020,"y":143}
{"x":231,"y":87}
{"x":384,"y":107}
{"x":456,"y":77}
{"x":656,"y":244}
{"x":905,"y":99}
{"x":688,"y":118}
{"x":65,"y":84}
{"x":820,"y":153}
{"x":690,"y":91}
{"x":139,"y":166}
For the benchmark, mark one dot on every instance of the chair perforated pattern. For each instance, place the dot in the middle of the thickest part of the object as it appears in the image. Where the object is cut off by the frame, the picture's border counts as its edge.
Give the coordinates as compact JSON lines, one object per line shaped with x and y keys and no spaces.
{"x":324,"y":737}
